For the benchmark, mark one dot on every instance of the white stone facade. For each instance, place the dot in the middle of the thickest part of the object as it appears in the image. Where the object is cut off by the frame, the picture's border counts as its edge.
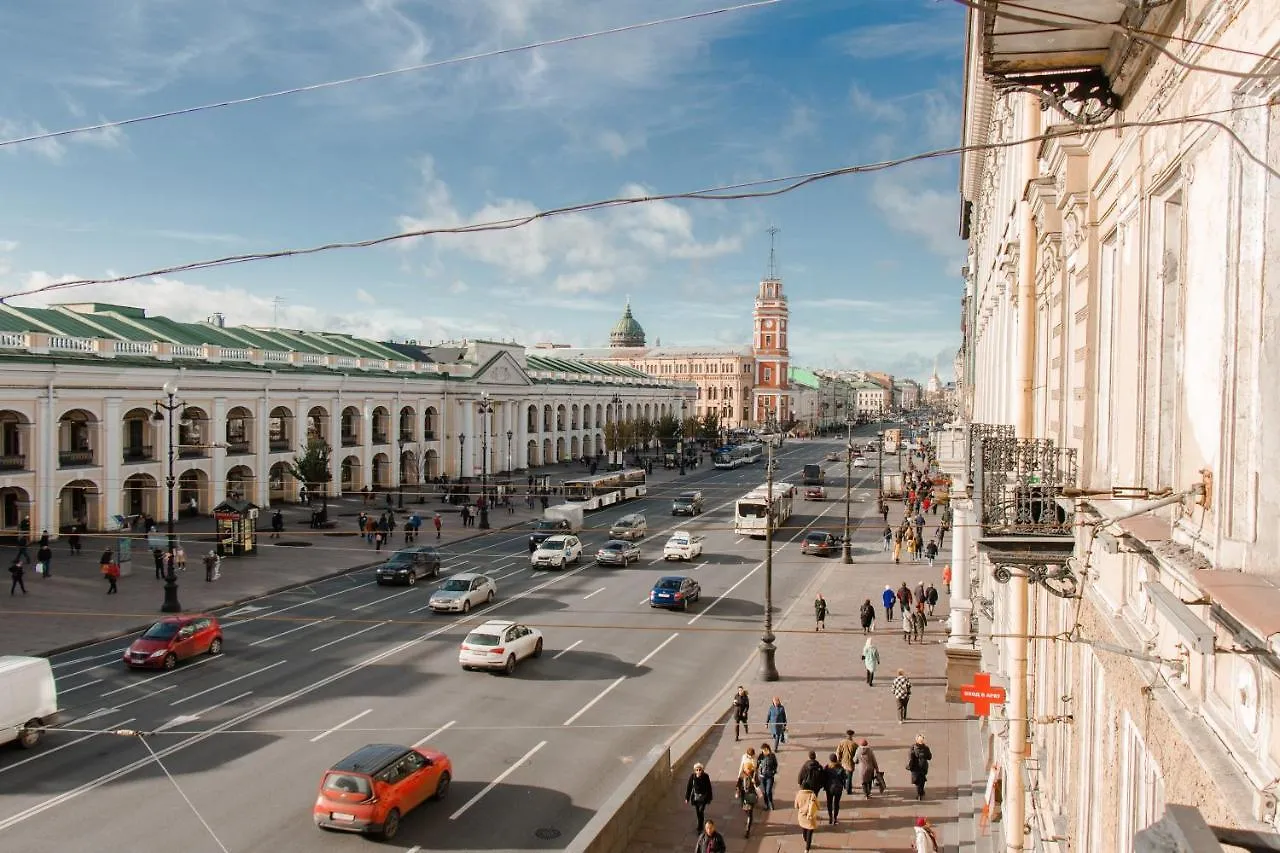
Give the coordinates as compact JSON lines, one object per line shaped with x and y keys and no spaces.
{"x":1121,"y":297}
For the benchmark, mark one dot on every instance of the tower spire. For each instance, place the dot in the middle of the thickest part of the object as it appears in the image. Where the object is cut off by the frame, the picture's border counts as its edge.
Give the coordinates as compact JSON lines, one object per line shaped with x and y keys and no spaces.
{"x":773,"y":254}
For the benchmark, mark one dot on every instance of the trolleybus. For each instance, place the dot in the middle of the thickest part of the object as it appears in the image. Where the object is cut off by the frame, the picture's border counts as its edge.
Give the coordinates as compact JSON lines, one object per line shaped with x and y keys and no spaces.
{"x":751,"y":511}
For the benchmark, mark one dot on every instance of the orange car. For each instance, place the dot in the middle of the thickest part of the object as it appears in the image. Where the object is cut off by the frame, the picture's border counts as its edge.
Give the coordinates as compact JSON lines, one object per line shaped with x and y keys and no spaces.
{"x":372,"y":789}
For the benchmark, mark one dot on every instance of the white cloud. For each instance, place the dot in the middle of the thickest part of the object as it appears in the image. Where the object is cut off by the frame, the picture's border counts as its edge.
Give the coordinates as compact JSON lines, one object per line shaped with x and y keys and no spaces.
{"x":459,"y":286}
{"x":616,"y":145}
{"x":874,"y":109}
{"x":924,"y":212}
{"x":365,"y":296}
{"x":907,"y":39}
{"x":8,"y":245}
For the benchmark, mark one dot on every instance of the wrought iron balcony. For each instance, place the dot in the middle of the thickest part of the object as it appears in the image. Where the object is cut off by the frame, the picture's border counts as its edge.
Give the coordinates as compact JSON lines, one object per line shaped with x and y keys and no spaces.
{"x":380,"y":437}
{"x":406,"y":436}
{"x":238,"y":448}
{"x":429,"y":435}
{"x":278,"y":445}
{"x":75,"y":458}
{"x":196,"y":452}
{"x":13,"y":462}
{"x":350,"y":440}
{"x":139,"y":453}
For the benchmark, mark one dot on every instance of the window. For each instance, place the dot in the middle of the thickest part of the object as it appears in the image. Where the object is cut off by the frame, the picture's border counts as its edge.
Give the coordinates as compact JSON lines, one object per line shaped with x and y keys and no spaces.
{"x":1109,"y":272}
{"x":1141,"y":786}
{"x":1162,"y":375}
{"x":768,"y":374}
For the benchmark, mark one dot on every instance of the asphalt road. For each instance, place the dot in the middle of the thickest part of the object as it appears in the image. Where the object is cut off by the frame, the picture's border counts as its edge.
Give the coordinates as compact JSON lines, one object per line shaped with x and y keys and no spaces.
{"x":240,"y":741}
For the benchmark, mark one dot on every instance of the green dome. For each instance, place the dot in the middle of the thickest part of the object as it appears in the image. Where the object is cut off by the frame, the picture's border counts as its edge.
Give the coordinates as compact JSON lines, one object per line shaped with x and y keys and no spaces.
{"x":627,"y":332}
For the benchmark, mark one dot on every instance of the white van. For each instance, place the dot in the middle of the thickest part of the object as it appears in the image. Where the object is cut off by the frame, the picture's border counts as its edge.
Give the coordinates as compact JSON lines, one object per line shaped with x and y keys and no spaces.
{"x":632,"y":527}
{"x":28,"y":699}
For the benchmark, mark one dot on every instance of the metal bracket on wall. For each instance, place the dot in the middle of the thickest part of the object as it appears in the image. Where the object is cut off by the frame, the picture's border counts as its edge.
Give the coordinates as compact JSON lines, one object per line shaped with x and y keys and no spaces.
{"x":1056,"y":580}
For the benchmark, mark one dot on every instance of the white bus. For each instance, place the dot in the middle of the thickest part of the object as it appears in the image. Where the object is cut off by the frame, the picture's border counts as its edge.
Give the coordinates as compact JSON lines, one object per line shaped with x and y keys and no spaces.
{"x":737,"y":455}
{"x":751,"y":512}
{"x":606,"y":489}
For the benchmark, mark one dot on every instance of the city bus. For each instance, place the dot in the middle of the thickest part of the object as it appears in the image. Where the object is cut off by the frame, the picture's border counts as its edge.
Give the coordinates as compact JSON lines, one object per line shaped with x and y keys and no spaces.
{"x":750,"y":513}
{"x":604,"y":490}
{"x":737,"y":455}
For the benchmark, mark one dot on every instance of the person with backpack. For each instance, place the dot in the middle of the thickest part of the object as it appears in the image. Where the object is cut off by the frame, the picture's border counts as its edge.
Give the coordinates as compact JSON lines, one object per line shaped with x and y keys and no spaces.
{"x":918,"y":765}
{"x":867,"y":615}
{"x":837,"y":779}
{"x":812,"y":776}
{"x":741,"y":708}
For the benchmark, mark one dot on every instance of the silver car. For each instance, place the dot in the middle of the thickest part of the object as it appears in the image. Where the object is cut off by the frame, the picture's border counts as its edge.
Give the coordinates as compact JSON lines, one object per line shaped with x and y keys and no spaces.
{"x":462,"y":592}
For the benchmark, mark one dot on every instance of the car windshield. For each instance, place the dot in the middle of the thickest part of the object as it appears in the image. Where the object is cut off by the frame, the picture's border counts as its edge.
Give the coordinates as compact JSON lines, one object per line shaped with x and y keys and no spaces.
{"x":679,"y":540}
{"x":347,"y":783}
{"x":816,"y":537}
{"x":456,"y":585}
{"x":477,"y":639}
{"x":611,"y":546}
{"x":400,"y":559}
{"x":555,"y":543}
{"x":161,"y":631}
{"x":546,"y":525}
{"x":668,"y":583}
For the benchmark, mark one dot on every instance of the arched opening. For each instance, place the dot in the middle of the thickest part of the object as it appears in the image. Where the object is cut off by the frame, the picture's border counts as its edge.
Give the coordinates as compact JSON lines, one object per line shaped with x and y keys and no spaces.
{"x":15,"y":437}
{"x":140,"y":496}
{"x":429,"y":418}
{"x":600,"y":413}
{"x":408,"y":420}
{"x":80,"y":505}
{"x":560,"y":416}
{"x":433,"y":465}
{"x":531,"y":451}
{"x":381,"y":425}
{"x":350,"y":427}
{"x":240,"y":482}
{"x":280,"y":484}
{"x":586,"y":416}
{"x":547,"y":456}
{"x":194,"y":435}
{"x":599,"y":444}
{"x":194,"y":495}
{"x":531,"y":419}
{"x":280,"y":430}
{"x":381,"y":471}
{"x":575,"y":448}
{"x":560,"y":457}
{"x":408,"y":468}
{"x":239,"y":432}
{"x":15,"y":504}
{"x":352,"y":481}
{"x":586,"y":447}
{"x":574,"y":417}
{"x":318,"y":424}
{"x":137,"y":436}
{"x":77,"y":435}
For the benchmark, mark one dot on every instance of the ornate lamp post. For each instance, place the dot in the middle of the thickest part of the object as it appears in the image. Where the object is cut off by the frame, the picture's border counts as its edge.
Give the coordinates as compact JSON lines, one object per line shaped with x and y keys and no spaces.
{"x":768,"y":652}
{"x":617,"y":419}
{"x":400,"y":485}
{"x":485,"y":408}
{"x":880,"y":470}
{"x":462,"y":455}
{"x":848,"y":480}
{"x":510,"y":469}
{"x":164,"y":412}
{"x":680,"y":443}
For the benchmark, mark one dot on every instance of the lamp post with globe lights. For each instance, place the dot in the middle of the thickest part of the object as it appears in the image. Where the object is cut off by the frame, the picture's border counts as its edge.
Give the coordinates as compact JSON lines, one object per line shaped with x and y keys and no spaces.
{"x":164,"y":411}
{"x":485,"y":408}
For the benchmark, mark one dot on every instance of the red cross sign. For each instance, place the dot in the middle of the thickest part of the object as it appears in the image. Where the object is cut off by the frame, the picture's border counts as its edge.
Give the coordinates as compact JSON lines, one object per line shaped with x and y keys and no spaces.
{"x":982,"y":694}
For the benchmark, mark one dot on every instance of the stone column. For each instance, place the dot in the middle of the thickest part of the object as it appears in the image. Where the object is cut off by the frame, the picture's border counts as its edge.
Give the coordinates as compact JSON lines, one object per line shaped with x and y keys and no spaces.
{"x":43,"y":508}
{"x":963,"y":656}
{"x":470,"y":452}
{"x":112,"y":455}
{"x":521,"y":440}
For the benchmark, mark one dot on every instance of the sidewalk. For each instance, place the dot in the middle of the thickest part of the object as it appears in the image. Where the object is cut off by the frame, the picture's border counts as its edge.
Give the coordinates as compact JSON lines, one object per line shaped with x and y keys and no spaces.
{"x":71,"y":608}
{"x":824,"y":691}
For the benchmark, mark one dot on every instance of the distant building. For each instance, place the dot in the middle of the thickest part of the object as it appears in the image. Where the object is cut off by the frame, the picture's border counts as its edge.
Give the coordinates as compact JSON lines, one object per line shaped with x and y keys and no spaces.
{"x":627,"y":333}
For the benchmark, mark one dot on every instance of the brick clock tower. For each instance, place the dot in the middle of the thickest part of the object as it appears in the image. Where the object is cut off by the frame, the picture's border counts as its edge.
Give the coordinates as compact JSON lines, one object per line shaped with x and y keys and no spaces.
{"x":772,"y":393}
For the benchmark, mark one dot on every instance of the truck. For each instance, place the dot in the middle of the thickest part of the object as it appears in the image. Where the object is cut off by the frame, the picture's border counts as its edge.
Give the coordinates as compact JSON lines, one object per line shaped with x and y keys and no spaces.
{"x":555,"y":521}
{"x":28,"y":699}
{"x":813,"y":475}
{"x":891,"y":484}
{"x":892,"y":441}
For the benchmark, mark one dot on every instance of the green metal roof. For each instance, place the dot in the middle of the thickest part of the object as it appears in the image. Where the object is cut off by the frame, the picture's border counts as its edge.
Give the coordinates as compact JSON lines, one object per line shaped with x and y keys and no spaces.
{"x":567,"y":365}
{"x":807,"y":378}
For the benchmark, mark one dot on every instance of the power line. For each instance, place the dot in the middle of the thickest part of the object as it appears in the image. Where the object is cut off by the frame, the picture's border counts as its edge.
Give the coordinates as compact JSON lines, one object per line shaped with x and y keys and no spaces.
{"x":729,"y":192}
{"x":377,"y":75}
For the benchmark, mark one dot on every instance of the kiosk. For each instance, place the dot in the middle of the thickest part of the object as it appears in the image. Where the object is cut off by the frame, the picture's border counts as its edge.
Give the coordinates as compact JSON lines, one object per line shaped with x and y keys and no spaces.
{"x":236,"y":527}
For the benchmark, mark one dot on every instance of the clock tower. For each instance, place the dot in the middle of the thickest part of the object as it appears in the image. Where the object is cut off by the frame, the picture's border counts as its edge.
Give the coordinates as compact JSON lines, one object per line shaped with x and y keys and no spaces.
{"x":772,"y":394}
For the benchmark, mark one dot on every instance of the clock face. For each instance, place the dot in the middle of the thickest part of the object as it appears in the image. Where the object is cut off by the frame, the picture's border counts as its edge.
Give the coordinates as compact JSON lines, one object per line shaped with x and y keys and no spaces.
{"x":768,"y":324}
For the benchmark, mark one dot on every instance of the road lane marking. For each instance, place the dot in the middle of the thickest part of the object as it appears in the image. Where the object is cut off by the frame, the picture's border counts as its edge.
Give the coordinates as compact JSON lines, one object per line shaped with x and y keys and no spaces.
{"x":719,"y":598}
{"x":700,"y":565}
{"x":347,"y":637}
{"x":599,"y":696}
{"x":597,"y":592}
{"x":566,"y":649}
{"x":644,"y":660}
{"x":659,"y":560}
{"x":421,"y":741}
{"x":45,"y":752}
{"x":342,"y":725}
{"x":290,"y":631}
{"x":496,"y":782}
{"x":511,"y":574}
{"x":183,"y":719}
{"x":64,"y":690}
{"x":385,"y":598}
{"x":227,"y":683}
{"x":166,"y":673}
{"x":647,"y":599}
{"x":309,"y":601}
{"x":114,"y":654}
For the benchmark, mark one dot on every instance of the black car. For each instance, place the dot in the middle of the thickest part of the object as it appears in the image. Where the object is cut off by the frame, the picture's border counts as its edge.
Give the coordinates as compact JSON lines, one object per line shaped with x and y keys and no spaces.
{"x":409,"y":564}
{"x":820,"y":543}
{"x":687,"y":503}
{"x":545,"y":528}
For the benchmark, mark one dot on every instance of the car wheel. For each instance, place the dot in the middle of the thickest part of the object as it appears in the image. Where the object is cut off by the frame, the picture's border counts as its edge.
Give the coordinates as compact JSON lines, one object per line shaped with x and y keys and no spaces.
{"x":391,"y":825}
{"x":30,"y":734}
{"x":510,"y":666}
{"x":537,"y":649}
{"x":466,"y":606}
{"x":442,"y":786}
{"x":488,"y":599}
{"x":413,"y":580}
{"x":170,"y":660}
{"x":215,"y":648}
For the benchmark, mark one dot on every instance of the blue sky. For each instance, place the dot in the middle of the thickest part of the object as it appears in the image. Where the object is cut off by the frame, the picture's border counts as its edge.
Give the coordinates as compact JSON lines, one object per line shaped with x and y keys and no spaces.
{"x":870,"y":263}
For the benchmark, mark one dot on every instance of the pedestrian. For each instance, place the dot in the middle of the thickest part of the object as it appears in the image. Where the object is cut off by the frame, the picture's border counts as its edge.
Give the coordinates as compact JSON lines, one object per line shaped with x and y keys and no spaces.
{"x":377,"y":541}
{"x":918,"y":764}
{"x":16,"y":571}
{"x":897,"y":550}
{"x":844,"y":754}
{"x":931,"y":597}
{"x":111,"y":571}
{"x":837,"y":779}
{"x":709,"y":840}
{"x":277,"y":524}
{"x":868,"y":768}
{"x":888,"y":599}
{"x":925,"y":840}
{"x":807,"y":815}
{"x":870,"y":660}
{"x":946,"y":577}
{"x":180,"y":558}
{"x":901,"y":689}
{"x":697,"y":793}
{"x":73,"y":539}
{"x":746,"y":795}
{"x":741,"y":708}
{"x":908,"y":624}
{"x":436,"y":521}
{"x":776,"y":722}
{"x":904,"y":596}
{"x":812,"y":776}
{"x":931,"y":551}
{"x":157,"y":557}
{"x":210,"y":561}
{"x":766,"y":772}
{"x":888,"y":538}
{"x":820,"y":613}
{"x":918,"y":623}
{"x":919,"y":594}
{"x":44,"y":559}
{"x":867,"y":616}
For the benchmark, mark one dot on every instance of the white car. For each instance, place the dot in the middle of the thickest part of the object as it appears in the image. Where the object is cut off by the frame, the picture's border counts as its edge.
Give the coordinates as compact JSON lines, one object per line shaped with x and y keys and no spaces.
{"x":860,"y":462}
{"x":499,"y":644}
{"x":557,"y":552}
{"x":462,"y":592}
{"x":682,"y":546}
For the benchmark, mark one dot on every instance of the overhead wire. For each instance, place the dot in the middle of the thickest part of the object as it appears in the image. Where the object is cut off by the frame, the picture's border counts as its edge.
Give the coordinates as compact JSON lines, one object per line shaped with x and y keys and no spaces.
{"x":142,"y":739}
{"x":743,"y":190}
{"x":377,"y":75}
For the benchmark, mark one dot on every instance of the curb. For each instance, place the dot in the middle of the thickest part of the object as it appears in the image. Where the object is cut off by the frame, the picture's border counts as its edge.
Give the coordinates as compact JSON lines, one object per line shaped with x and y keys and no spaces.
{"x":244,"y":599}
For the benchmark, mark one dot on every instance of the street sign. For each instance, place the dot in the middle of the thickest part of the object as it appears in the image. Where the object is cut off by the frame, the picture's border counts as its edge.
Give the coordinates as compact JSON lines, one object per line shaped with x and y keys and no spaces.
{"x":982,"y":694}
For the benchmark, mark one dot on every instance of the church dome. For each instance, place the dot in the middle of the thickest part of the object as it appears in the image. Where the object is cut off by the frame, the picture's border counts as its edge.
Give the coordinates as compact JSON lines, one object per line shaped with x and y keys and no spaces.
{"x":627,"y":332}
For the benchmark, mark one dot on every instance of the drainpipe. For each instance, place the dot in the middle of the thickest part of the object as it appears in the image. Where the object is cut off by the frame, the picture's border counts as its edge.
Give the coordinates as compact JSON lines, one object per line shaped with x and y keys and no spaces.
{"x":1024,"y":426}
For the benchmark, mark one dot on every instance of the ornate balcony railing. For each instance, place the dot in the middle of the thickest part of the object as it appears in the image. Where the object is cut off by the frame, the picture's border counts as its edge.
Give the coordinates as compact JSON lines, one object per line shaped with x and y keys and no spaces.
{"x":278,"y":445}
{"x":75,"y":458}
{"x":1020,"y":480}
{"x":139,"y":453}
{"x":13,"y":462}
{"x":238,"y":448}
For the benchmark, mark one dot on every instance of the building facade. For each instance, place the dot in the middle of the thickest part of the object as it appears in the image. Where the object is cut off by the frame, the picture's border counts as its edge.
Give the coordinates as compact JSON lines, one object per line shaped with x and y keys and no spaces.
{"x":1119,"y":298}
{"x":771,"y":396}
{"x":82,"y":444}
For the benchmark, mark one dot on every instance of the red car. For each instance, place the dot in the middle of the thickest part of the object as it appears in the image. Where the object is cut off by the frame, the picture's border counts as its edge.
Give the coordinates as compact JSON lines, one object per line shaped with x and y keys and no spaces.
{"x":373,"y":788}
{"x":815,"y":493}
{"x":175,"y":638}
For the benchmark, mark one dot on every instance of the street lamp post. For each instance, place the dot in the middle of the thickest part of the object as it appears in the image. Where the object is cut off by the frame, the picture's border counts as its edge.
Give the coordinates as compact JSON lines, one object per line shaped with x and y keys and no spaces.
{"x":510,"y":469}
{"x":617,"y":430}
{"x":768,"y":652}
{"x":848,"y":479}
{"x":880,"y":471}
{"x":171,"y":603}
{"x":680,"y":443}
{"x":485,"y":408}
{"x":400,"y":485}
